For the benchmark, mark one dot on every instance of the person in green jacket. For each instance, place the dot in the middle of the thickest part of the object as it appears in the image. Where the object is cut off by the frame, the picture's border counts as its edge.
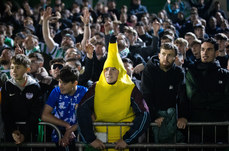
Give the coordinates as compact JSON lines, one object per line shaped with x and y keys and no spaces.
{"x":207,"y":86}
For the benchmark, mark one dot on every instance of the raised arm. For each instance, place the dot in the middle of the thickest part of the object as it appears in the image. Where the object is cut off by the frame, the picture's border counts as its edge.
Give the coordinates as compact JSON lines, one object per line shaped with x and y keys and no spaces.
{"x":87,"y":30}
{"x":45,"y":29}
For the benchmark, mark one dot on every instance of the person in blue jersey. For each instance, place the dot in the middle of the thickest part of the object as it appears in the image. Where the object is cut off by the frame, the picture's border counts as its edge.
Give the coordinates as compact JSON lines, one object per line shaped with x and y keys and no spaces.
{"x":61,"y":106}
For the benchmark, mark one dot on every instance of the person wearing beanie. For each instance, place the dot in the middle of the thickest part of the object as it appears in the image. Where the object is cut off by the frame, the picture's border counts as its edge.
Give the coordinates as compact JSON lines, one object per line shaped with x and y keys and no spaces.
{"x":114,"y":98}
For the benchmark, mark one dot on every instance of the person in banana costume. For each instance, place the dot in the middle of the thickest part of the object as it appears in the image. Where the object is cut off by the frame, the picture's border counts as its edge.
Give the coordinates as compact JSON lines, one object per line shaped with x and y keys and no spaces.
{"x":114,"y":98}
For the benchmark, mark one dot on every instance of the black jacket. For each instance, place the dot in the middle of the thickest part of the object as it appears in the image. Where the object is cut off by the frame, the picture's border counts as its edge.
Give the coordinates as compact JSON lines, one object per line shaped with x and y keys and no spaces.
{"x":208,"y":91}
{"x":163,"y":90}
{"x":21,"y":106}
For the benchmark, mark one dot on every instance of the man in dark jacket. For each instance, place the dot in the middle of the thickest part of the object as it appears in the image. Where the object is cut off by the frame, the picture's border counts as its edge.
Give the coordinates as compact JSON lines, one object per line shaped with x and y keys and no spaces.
{"x":163,"y":86}
{"x":208,"y":89}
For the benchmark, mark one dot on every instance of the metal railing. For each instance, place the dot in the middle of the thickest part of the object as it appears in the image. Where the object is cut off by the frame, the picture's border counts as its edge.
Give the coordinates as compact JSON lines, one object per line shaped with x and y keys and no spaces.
{"x":145,"y":145}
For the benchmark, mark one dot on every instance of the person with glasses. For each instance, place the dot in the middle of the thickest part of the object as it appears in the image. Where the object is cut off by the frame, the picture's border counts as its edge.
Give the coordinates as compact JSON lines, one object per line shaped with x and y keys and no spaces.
{"x":56,"y":65}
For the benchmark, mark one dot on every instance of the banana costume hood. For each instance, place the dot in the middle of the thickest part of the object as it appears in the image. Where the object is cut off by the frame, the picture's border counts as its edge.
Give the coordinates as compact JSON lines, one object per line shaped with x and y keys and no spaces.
{"x":112,"y":101}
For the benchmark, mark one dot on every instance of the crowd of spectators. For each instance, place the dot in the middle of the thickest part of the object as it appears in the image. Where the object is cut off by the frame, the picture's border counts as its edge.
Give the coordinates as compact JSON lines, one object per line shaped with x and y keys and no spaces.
{"x":53,"y":37}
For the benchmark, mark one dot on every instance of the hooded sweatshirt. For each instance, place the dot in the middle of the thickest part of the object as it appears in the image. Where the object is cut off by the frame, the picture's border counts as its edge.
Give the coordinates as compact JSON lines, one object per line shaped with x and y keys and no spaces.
{"x":163,"y":90}
{"x":21,"y":104}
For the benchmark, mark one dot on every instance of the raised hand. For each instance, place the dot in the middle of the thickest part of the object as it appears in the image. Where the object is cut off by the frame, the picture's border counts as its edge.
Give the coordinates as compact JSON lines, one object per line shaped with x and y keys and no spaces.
{"x":108,"y":26}
{"x":86,"y":17}
{"x":19,"y":50}
{"x":89,"y":49}
{"x":47,"y":14}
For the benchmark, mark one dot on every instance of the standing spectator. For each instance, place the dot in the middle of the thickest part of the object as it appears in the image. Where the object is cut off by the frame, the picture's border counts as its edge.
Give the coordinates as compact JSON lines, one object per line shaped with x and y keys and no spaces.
{"x":212,"y":27}
{"x":137,"y":9}
{"x":174,"y":8}
{"x":217,"y":8}
{"x":68,"y":40}
{"x":222,"y":55}
{"x":190,"y":37}
{"x":21,"y":102}
{"x":196,"y":47}
{"x":163,"y":88}
{"x":182,"y":46}
{"x":63,"y":102}
{"x":128,"y":64}
{"x":101,"y":102}
{"x":207,"y":91}
{"x":5,"y":59}
{"x":56,"y":65}
{"x":202,"y":7}
{"x":37,"y":69}
{"x":199,"y":31}
{"x":2,"y":43}
{"x":145,"y":36}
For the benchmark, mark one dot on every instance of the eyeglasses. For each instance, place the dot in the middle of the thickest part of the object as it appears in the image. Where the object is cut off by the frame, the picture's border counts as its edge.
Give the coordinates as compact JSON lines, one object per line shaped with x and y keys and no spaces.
{"x":59,"y":66}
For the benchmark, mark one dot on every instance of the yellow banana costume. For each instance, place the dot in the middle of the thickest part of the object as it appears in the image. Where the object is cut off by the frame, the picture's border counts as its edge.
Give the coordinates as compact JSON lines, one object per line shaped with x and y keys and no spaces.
{"x":112,"y":102}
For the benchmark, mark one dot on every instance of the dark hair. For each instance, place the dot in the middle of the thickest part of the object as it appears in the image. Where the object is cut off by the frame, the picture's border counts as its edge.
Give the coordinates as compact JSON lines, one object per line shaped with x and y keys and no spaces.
{"x":127,"y":60}
{"x":140,"y":23}
{"x":100,"y":43}
{"x":75,"y":60}
{"x":221,"y":36}
{"x":164,"y":37}
{"x":212,"y":41}
{"x":100,"y":34}
{"x":156,"y":18}
{"x":61,"y":60}
{"x":69,"y":74}
{"x":169,"y":46}
{"x":21,"y":59}
{"x":37,"y":55}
